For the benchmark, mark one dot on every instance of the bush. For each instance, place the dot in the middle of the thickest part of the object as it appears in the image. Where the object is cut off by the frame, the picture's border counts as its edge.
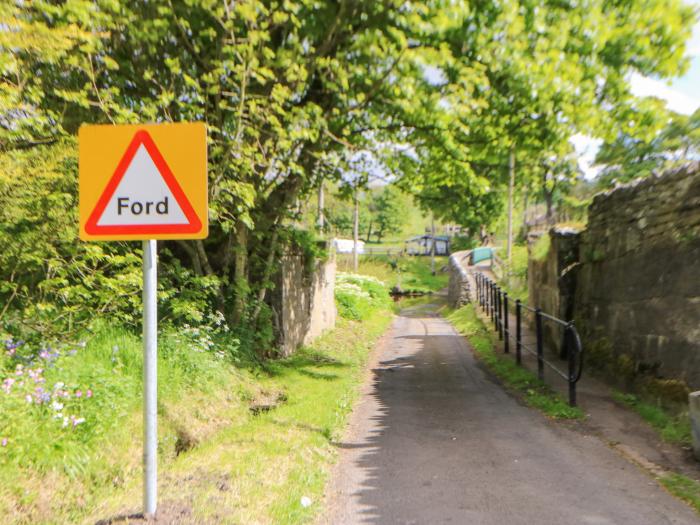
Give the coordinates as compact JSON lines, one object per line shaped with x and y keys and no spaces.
{"x":358,"y":296}
{"x":52,"y":285}
{"x":462,"y":242}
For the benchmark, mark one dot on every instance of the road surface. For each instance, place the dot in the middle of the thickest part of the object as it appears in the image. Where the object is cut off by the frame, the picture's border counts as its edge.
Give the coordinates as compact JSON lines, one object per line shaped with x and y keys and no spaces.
{"x":435,"y":439}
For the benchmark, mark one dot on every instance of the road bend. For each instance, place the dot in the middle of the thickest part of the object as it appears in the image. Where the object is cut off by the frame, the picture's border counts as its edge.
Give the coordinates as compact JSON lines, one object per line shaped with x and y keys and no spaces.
{"x":434,"y":439}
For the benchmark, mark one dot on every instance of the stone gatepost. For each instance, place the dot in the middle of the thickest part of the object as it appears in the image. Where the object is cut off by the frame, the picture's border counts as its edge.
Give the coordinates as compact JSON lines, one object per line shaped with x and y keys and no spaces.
{"x":694,"y":407}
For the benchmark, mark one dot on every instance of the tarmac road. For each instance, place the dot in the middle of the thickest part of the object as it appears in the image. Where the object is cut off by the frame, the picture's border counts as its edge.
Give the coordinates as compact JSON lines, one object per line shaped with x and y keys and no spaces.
{"x":435,"y":439}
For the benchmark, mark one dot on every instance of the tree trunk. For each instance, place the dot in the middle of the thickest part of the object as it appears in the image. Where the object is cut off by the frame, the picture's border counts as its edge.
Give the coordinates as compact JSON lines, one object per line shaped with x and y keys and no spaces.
{"x":321,"y":205}
{"x":240,"y":275}
{"x":355,"y":230}
{"x":267,"y":273}
{"x":511,"y":184}
{"x":369,"y":232}
{"x":432,"y":243}
{"x":549,"y":201}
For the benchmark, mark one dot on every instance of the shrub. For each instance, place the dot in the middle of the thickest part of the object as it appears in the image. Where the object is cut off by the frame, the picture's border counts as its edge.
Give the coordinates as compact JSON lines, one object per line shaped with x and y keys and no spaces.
{"x":358,"y":296}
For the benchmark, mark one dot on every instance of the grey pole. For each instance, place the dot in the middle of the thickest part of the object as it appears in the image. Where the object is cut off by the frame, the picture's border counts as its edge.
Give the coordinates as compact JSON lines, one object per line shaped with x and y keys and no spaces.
{"x":150,"y":378}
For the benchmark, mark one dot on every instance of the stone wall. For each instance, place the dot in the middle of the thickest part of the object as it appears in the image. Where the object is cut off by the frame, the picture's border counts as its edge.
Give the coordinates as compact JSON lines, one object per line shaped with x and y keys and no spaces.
{"x":631,"y":280}
{"x":638,"y":287}
{"x":303,"y":302}
{"x":459,"y":285}
{"x":552,"y":282}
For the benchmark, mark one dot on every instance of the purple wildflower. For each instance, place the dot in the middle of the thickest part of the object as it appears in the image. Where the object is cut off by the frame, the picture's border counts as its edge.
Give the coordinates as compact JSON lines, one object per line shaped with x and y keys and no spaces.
{"x":78,"y":394}
{"x":77,"y":420}
{"x":3,"y":443}
{"x":88,"y":394}
{"x":7,"y":384}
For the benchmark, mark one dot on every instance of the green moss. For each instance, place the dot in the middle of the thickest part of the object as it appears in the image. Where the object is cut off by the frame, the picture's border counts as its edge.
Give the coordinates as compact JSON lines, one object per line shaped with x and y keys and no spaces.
{"x":541,"y":248}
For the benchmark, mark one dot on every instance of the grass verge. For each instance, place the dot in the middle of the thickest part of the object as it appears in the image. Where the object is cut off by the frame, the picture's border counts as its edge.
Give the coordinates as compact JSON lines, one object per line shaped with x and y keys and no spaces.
{"x":683,"y":488}
{"x":410,"y":273}
{"x":239,"y":442}
{"x":534,"y":392}
{"x":673,"y":429}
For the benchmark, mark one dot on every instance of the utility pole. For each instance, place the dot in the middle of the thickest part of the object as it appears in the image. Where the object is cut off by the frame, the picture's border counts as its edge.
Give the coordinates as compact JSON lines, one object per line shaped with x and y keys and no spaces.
{"x":511,"y":184}
{"x":355,"y":228}
{"x":432,"y":243}
{"x":321,"y":217}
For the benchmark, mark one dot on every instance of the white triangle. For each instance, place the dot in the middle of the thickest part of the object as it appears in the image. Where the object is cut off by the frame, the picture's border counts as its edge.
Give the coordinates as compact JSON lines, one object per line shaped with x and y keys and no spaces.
{"x":142,"y":197}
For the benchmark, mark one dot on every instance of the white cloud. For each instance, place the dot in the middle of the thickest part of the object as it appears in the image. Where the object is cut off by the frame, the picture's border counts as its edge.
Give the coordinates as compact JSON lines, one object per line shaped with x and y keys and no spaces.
{"x":676,"y":101}
{"x":586,"y":148}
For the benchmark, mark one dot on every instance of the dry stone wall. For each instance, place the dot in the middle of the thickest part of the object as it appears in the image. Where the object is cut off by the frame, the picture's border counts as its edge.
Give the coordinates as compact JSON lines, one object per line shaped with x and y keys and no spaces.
{"x":638,"y":290}
{"x":631,"y":279}
{"x":303,"y":302}
{"x":459,"y":286}
{"x":552,"y":283}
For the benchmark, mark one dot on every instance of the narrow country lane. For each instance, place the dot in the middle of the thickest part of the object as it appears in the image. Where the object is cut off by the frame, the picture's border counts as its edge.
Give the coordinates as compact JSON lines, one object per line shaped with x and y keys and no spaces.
{"x":435,"y":440}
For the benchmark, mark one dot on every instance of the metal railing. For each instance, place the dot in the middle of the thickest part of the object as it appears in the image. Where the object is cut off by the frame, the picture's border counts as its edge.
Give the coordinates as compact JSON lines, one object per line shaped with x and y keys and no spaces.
{"x":494,"y":301}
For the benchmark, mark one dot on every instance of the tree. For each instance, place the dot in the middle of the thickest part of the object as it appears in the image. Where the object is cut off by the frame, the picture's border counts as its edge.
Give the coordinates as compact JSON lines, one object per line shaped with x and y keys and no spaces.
{"x":658,"y":140}
{"x":292,"y":91}
{"x":389,"y":216}
{"x":528,"y":75}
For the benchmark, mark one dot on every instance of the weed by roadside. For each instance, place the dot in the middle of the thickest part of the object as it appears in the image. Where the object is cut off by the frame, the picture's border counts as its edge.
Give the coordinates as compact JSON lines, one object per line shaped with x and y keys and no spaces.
{"x":684,"y":488}
{"x":533,"y":391}
{"x":673,"y":429}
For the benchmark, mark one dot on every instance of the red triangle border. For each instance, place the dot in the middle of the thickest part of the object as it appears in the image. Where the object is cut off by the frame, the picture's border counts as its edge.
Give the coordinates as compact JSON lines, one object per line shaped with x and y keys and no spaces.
{"x":142,"y":137}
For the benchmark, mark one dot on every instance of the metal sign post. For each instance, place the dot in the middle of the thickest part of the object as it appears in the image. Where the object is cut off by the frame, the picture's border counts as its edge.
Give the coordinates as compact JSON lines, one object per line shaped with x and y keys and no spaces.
{"x":144,"y":182}
{"x":150,"y":377}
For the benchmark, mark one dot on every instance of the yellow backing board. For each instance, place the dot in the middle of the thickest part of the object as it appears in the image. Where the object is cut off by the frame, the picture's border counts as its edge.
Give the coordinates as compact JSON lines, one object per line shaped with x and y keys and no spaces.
{"x":141,"y":182}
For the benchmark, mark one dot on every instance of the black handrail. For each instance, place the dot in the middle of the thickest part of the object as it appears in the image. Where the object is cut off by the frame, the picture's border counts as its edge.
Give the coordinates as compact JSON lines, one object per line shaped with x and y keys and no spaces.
{"x":494,"y":302}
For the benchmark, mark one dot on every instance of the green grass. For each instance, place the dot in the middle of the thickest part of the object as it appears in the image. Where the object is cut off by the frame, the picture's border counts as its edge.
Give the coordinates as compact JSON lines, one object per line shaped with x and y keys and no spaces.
{"x":514,"y":279}
{"x":208,"y":437}
{"x":684,"y":488}
{"x":533,"y":391}
{"x":411,"y":273}
{"x":672,"y":428}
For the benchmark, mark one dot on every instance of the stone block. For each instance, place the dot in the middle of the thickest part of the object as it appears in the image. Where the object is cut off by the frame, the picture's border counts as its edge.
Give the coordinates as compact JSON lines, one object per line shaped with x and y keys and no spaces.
{"x":694,"y":406}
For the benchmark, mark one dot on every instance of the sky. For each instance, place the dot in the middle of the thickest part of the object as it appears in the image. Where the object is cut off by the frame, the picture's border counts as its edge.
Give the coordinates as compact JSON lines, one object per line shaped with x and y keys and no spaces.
{"x":681,"y":95}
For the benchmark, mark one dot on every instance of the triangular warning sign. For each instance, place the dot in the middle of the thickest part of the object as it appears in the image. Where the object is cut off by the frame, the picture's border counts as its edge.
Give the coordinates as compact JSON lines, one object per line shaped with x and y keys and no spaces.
{"x":143,"y":196}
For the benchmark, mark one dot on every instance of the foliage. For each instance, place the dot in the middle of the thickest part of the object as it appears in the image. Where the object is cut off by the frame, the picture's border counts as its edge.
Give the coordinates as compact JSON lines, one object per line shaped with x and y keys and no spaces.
{"x":71,"y":411}
{"x":380,"y":213}
{"x":541,"y":247}
{"x":50,"y":283}
{"x":462,"y":242}
{"x":359,"y":296}
{"x":53,"y":286}
{"x":388,"y":215}
{"x":664,"y":140}
{"x":409,"y":274}
{"x":295,"y":93}
{"x":527,"y":77}
{"x":533,"y":391}
{"x":207,"y":383}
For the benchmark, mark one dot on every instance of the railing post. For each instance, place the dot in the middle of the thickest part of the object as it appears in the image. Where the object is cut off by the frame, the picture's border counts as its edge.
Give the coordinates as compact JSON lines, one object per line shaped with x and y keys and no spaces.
{"x":540,"y":343}
{"x":506,"y":333}
{"x":478,"y":289}
{"x":483,"y":292}
{"x":500,"y":313}
{"x":491,"y":296}
{"x":571,"y":355}
{"x":496,"y":300}
{"x":518,"y":331}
